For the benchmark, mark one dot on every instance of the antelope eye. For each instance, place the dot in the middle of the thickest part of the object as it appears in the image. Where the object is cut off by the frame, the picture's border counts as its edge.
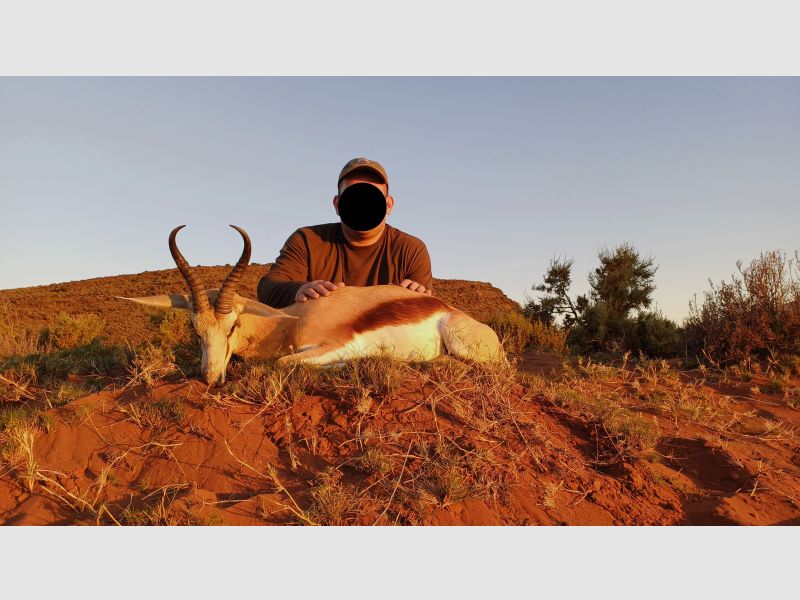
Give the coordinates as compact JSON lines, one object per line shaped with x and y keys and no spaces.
{"x":235,"y":325}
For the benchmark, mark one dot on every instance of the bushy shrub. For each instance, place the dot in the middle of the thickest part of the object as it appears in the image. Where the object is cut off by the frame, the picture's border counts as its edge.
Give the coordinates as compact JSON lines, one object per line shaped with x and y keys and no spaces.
{"x":755,"y":314}
{"x":66,"y":331}
{"x":176,"y":334}
{"x":15,"y":340}
{"x":27,"y":377}
{"x":59,"y":364}
{"x":657,"y":336}
{"x":548,"y":337}
{"x":649,"y":333}
{"x":93,"y":358}
{"x":513,"y":329}
{"x":789,"y":365}
{"x":174,"y":327}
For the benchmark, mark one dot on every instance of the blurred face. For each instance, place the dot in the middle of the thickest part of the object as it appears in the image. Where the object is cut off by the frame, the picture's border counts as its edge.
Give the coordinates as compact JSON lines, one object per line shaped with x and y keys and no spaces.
{"x":365,"y":177}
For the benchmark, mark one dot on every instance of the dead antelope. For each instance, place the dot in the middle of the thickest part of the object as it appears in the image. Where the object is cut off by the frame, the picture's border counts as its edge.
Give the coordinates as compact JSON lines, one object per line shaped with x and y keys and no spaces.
{"x":351,"y":322}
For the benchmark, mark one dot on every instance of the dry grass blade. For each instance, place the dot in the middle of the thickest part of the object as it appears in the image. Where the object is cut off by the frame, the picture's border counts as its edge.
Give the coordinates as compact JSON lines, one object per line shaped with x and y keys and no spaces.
{"x":272,"y":475}
{"x":24,"y":392}
{"x":396,"y":485}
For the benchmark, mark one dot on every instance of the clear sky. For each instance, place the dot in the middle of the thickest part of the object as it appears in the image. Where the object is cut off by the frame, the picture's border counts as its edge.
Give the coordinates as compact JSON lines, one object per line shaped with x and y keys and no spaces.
{"x":496,"y":175}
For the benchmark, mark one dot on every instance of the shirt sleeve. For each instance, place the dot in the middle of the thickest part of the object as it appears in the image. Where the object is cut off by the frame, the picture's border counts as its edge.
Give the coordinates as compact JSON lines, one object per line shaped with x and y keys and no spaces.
{"x":419,"y":266}
{"x":290,"y":271}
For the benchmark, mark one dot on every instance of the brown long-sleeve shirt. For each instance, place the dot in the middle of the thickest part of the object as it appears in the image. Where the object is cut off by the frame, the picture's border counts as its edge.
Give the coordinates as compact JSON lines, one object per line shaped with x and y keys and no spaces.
{"x":322,"y":252}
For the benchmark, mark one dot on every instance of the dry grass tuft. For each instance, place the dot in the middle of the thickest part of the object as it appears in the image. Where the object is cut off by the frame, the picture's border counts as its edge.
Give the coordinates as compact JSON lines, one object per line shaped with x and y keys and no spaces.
{"x":68,"y":391}
{"x":374,"y":461}
{"x":156,"y":414}
{"x":444,"y":475}
{"x":271,"y":384}
{"x":15,"y":339}
{"x":334,"y":502}
{"x":630,"y":432}
{"x":375,"y":376}
{"x":150,"y":365}
{"x":16,"y":452}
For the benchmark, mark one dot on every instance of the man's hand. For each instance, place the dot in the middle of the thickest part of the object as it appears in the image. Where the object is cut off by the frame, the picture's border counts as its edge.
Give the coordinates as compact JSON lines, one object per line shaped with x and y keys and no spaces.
{"x":414,"y":286}
{"x":315,"y":289}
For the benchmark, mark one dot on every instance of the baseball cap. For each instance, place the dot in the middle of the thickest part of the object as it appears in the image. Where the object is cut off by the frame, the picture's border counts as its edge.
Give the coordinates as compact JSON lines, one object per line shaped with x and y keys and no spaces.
{"x":364,"y":163}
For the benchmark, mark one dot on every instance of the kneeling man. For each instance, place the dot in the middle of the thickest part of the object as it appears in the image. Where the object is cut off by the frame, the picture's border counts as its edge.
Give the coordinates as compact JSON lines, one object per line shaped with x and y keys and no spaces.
{"x":360,"y":250}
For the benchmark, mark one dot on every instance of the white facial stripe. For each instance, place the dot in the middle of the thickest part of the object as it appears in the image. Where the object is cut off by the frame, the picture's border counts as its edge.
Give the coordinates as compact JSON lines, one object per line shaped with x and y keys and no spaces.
{"x":218,"y":341}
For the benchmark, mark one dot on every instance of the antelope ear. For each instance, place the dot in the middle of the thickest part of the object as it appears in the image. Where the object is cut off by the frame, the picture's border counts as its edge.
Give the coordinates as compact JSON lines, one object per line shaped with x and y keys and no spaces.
{"x":262,"y":310}
{"x":179,"y":301}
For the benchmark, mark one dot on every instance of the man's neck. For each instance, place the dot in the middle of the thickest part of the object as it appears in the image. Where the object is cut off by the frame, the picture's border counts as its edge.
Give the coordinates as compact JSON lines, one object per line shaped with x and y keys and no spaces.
{"x":363,"y":238}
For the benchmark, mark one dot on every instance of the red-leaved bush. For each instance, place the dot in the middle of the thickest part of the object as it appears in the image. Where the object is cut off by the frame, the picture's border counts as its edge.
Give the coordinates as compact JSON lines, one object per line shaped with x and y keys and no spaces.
{"x":754,"y":315}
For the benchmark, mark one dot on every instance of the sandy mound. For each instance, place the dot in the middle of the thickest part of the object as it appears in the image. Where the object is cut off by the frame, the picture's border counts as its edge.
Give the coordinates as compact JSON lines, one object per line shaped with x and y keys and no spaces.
{"x":210,"y":463}
{"x":441,"y":444}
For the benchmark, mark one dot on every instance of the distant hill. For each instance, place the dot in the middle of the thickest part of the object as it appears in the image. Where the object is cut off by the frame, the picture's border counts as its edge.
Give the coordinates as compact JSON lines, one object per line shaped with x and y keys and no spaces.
{"x":33,"y":307}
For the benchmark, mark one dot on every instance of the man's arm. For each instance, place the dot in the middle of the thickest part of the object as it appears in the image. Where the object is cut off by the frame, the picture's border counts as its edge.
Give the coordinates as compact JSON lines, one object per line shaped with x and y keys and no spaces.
{"x":278,"y":288}
{"x":418,"y":277}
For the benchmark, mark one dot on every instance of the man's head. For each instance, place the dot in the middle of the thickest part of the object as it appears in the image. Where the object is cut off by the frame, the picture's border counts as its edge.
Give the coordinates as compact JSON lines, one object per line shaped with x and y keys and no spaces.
{"x":363,"y":170}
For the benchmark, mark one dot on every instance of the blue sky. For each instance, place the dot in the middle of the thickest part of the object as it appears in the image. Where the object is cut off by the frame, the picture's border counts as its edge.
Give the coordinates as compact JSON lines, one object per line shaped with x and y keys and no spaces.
{"x":496,"y":175}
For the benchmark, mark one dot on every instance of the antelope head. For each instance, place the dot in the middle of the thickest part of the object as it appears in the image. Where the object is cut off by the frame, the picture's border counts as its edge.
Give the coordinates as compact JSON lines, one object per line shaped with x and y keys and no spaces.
{"x":215,"y":314}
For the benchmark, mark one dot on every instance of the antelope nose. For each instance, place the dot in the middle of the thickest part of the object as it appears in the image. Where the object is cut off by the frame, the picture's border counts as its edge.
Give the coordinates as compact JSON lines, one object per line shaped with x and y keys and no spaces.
{"x":212,"y":379}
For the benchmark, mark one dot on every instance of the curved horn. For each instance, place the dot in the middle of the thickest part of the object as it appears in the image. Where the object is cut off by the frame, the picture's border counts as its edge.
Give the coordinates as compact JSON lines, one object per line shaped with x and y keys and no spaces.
{"x":199,"y":298}
{"x":224,"y":303}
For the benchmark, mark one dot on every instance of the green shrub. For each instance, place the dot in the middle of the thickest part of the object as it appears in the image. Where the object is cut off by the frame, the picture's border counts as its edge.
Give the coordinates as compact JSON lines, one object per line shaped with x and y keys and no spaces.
{"x":90,"y":359}
{"x":776,"y":385}
{"x":41,"y":366}
{"x":649,"y":333}
{"x":68,"y":332}
{"x":22,"y":375}
{"x":656,"y":336}
{"x":67,"y":391}
{"x":176,"y":334}
{"x":174,"y":327}
{"x":789,"y":365}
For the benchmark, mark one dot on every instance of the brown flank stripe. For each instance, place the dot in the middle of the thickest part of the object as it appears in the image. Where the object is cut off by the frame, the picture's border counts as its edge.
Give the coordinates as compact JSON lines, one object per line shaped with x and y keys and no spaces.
{"x":397,"y":312}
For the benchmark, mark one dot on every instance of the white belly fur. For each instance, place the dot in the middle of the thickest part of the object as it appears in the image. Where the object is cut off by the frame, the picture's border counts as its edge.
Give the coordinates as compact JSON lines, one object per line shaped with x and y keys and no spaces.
{"x":414,"y":341}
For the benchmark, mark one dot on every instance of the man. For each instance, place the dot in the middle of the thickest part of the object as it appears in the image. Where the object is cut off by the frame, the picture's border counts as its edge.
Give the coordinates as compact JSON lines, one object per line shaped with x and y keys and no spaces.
{"x":349,"y":252}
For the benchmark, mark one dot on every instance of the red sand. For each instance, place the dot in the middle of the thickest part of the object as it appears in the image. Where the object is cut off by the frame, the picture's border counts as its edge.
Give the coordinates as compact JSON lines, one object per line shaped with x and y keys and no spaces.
{"x":210,"y":465}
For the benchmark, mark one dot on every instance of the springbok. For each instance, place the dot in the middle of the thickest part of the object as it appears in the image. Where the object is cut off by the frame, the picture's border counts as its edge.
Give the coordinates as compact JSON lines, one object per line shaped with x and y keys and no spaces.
{"x":349,"y":323}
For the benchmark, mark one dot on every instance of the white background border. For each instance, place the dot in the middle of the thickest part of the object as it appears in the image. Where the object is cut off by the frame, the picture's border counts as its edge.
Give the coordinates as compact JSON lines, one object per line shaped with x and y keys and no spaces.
{"x":419,"y":37}
{"x":409,"y":563}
